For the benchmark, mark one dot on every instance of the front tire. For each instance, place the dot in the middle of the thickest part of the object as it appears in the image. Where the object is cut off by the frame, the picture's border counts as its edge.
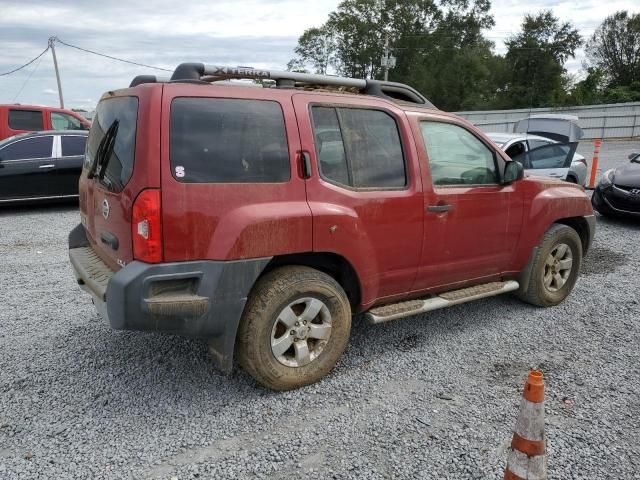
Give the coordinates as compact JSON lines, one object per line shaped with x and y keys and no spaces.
{"x":295,"y":326}
{"x":555,"y":267}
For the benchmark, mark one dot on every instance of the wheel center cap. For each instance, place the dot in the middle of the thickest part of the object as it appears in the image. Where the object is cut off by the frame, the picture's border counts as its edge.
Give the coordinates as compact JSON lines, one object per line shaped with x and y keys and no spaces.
{"x":302,"y":332}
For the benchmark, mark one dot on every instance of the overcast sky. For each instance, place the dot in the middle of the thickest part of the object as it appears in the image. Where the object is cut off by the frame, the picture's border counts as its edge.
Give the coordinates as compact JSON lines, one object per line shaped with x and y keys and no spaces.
{"x":259,"y":33}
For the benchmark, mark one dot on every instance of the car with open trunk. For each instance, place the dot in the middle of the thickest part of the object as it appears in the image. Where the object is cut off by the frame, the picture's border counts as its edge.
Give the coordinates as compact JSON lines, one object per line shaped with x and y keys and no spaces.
{"x":263,"y":218}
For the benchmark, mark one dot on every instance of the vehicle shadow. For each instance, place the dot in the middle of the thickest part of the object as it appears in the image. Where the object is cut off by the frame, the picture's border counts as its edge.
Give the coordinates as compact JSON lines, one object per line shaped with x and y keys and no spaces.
{"x":171,"y":372}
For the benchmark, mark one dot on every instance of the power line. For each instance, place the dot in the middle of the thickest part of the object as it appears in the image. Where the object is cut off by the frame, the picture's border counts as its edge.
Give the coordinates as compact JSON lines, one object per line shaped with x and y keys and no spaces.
{"x":56,"y":39}
{"x":26,"y":64}
{"x":27,"y":80}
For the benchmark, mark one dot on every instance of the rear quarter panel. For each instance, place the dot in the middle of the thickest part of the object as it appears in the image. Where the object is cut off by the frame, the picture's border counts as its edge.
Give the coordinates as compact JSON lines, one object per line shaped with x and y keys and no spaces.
{"x":231,"y":221}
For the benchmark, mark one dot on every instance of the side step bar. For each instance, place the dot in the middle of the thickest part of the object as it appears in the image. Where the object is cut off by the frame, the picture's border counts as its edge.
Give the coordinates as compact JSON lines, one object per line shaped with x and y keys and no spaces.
{"x":443,"y":300}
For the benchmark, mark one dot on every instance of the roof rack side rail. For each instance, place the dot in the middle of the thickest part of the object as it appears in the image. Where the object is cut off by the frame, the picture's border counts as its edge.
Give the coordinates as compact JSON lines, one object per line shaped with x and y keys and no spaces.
{"x":200,"y":72}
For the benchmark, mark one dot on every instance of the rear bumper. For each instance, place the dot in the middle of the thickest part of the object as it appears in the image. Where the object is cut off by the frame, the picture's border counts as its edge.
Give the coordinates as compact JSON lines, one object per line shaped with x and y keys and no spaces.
{"x":198,"y":299}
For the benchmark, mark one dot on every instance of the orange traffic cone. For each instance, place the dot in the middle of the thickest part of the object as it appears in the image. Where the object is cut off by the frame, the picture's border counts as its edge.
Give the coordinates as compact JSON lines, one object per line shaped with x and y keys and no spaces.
{"x":527,"y":456}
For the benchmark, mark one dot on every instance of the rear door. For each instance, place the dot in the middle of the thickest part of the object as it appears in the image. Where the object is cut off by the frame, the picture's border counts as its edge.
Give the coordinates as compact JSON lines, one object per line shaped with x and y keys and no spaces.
{"x":69,"y":159}
{"x":364,"y":191}
{"x":130,"y":125}
{"x":26,"y":167}
{"x":550,"y":160}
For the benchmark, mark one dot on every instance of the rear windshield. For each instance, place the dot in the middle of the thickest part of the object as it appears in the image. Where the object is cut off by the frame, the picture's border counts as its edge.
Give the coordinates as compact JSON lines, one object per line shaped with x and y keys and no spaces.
{"x":116,"y":168}
{"x":216,"y":140}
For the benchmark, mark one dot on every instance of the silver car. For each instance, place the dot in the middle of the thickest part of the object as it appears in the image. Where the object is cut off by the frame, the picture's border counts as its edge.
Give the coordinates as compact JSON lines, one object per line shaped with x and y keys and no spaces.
{"x":519,"y":144}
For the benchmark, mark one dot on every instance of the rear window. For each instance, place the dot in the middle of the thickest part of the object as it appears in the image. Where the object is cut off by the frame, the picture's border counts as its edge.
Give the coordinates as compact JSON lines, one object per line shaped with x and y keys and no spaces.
{"x":117,"y":168}
{"x":25,"y":120}
{"x":215,"y":140}
{"x":73,"y":146}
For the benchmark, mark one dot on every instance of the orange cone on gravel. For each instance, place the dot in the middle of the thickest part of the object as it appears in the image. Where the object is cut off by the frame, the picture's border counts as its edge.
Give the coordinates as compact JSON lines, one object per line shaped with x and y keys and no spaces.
{"x":527,"y":456}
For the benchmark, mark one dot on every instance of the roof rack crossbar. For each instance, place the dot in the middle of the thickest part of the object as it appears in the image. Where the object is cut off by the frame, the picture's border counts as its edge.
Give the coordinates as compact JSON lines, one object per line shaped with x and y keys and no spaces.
{"x":204,"y":73}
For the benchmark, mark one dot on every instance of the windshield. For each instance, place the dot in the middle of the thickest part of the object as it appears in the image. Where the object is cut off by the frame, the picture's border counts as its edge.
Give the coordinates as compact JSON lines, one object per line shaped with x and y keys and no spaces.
{"x":112,"y":156}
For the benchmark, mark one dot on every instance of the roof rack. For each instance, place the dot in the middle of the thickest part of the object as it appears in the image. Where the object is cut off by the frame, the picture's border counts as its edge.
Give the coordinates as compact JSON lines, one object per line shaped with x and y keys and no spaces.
{"x":201,"y":73}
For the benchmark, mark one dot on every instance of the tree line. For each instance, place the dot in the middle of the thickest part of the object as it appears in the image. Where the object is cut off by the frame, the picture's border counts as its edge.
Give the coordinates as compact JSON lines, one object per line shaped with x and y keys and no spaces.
{"x":441,"y":50}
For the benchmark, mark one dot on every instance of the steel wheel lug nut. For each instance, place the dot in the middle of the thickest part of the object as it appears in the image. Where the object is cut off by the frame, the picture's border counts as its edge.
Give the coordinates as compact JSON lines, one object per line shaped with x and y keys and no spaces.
{"x":293,"y":332}
{"x":297,"y":324}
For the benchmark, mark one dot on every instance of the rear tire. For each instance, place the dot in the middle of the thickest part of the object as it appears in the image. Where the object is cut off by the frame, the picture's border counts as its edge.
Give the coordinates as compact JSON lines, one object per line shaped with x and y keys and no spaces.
{"x":555,"y":268}
{"x":295,"y":326}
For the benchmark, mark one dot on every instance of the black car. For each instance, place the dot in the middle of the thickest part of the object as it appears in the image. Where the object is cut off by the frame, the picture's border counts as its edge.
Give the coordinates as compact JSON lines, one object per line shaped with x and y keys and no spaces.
{"x":618,"y":192}
{"x":41,"y":165}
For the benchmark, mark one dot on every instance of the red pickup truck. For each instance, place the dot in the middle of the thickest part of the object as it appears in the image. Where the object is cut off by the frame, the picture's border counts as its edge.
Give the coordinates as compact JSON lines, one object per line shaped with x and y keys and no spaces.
{"x":16,"y":119}
{"x":263,"y":218}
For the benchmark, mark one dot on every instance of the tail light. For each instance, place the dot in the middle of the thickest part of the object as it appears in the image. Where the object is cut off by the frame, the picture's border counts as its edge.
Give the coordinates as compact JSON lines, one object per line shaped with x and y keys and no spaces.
{"x":147,"y":227}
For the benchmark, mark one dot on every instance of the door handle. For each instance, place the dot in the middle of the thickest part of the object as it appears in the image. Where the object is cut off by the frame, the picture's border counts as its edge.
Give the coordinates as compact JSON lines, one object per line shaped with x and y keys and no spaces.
{"x":439,"y":208}
{"x":48,"y":165}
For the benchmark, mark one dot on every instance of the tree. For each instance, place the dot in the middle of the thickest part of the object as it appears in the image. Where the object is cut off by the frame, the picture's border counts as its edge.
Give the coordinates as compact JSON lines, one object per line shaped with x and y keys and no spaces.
{"x":614,"y":48}
{"x":536,"y":58}
{"x":439,"y":47}
{"x":315,"y":47}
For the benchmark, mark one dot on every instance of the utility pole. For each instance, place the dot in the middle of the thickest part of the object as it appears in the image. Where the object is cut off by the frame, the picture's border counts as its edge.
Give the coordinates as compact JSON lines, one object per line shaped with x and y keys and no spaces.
{"x":386,"y":57}
{"x":55,"y":65}
{"x":387,"y":60}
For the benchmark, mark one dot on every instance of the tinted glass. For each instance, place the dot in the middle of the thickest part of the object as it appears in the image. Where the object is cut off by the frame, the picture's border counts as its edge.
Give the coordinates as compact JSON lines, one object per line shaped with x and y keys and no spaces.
{"x":25,"y":120}
{"x":358,"y":147}
{"x":215,"y":140}
{"x":38,"y":147}
{"x":124,"y":112}
{"x":73,"y":146}
{"x":456,"y":156}
{"x":556,"y":155}
{"x":537,"y":143}
{"x":373,"y":148}
{"x":329,"y":146}
{"x":63,"y":121}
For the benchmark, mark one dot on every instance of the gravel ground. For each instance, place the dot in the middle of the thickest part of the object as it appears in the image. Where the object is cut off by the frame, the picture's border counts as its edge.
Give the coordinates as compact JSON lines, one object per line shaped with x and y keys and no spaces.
{"x":434,"y":396}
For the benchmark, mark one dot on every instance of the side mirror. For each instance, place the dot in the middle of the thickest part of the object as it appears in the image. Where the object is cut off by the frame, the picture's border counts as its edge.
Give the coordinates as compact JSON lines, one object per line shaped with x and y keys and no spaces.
{"x":513,"y":171}
{"x":632,"y":156}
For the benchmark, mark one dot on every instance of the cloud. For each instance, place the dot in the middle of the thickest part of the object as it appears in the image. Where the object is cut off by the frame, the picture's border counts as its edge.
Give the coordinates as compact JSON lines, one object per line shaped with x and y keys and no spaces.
{"x":164,"y":33}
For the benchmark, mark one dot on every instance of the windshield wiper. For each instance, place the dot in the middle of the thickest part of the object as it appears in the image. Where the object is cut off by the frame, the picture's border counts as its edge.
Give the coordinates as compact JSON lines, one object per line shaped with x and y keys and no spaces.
{"x":104,"y":151}
{"x":108,"y":149}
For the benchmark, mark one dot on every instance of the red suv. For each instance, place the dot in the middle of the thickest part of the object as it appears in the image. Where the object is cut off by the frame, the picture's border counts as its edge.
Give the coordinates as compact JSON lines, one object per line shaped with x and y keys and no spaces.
{"x":263,"y":218}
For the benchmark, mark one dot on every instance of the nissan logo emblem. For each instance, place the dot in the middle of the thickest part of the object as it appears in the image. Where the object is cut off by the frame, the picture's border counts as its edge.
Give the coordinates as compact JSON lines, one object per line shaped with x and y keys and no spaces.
{"x":105,"y":208}
{"x":635,"y":191}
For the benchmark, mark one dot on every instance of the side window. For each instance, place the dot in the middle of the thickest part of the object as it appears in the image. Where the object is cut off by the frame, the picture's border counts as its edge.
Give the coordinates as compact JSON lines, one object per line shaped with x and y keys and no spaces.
{"x":555,"y":155}
{"x":329,"y":146}
{"x":358,"y":147}
{"x":456,"y":156}
{"x":38,"y":147}
{"x":26,"y":120}
{"x":217,"y":140}
{"x":533,"y":143}
{"x":73,"y":146}
{"x":64,"y":121}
